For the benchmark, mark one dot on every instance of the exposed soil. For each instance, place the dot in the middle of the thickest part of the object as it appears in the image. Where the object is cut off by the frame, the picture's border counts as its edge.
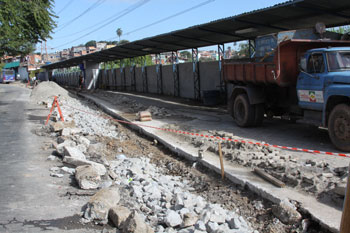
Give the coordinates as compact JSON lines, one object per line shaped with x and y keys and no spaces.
{"x":206,"y":183}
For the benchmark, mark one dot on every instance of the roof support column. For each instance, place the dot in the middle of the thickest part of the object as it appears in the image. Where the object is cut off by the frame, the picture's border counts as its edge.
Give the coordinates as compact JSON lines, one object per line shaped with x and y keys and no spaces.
{"x":175,"y":61}
{"x":251,"y":45}
{"x":105,"y":78}
{"x":114,"y":78}
{"x":108,"y":76}
{"x":91,"y":73}
{"x":144,"y":74}
{"x":133,"y":75}
{"x":159,"y":75}
{"x":122,"y":74}
{"x":196,"y":78}
{"x":223,"y":86}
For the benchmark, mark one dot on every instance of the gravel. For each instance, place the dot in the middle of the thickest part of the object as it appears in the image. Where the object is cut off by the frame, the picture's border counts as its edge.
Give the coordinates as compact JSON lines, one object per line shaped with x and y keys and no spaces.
{"x":47,"y":91}
{"x":316,"y":178}
{"x":162,"y":198}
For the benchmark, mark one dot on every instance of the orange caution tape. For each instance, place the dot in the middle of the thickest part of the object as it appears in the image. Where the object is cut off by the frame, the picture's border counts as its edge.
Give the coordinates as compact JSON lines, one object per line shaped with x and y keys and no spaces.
{"x":215,"y":137}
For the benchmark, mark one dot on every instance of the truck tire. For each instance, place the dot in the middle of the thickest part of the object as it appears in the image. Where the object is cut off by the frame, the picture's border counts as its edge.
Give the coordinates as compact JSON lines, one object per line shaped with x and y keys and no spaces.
{"x":339,"y":127}
{"x":243,"y":111}
{"x":259,"y":114}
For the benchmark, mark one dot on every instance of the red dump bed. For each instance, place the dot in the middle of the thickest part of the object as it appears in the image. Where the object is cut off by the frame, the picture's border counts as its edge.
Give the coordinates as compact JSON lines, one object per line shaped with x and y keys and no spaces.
{"x":284,"y":69}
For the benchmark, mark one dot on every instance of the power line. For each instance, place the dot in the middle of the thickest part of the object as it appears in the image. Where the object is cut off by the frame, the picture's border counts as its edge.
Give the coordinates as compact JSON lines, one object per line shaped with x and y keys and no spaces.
{"x":127,"y":11}
{"x":93,"y":26}
{"x":94,"y":5}
{"x":171,"y":16}
{"x":65,"y":6}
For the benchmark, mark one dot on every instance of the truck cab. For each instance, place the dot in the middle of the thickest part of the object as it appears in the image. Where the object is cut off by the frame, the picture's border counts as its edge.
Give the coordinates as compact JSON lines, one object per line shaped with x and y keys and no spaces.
{"x":323,"y":91}
{"x":304,"y":79}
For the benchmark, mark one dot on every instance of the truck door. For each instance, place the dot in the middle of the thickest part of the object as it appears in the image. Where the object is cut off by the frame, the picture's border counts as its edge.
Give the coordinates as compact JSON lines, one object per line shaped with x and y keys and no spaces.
{"x":310,"y":85}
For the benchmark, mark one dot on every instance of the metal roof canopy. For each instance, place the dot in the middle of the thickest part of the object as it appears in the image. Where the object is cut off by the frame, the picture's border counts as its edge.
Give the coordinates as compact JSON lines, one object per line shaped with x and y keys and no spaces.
{"x":291,"y":15}
{"x":12,"y":65}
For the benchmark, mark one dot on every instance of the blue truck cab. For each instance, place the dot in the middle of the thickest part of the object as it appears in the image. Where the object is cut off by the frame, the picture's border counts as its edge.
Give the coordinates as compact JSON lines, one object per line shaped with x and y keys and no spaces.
{"x":323,"y":91}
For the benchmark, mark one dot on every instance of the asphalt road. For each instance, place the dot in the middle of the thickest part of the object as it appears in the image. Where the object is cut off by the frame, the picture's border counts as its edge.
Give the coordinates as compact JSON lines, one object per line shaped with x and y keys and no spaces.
{"x":31,"y":200}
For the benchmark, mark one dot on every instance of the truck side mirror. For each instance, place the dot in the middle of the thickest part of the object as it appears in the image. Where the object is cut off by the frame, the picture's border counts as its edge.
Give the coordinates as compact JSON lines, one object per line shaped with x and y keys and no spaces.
{"x":302,"y":64}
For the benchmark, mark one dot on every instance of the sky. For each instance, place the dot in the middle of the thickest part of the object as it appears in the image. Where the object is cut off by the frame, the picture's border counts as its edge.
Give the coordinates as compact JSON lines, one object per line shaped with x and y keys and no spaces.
{"x":80,"y":21}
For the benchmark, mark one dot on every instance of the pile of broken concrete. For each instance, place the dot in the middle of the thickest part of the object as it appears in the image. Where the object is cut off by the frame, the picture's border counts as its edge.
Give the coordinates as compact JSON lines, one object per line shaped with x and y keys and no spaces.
{"x":316,"y":177}
{"x":131,"y":193}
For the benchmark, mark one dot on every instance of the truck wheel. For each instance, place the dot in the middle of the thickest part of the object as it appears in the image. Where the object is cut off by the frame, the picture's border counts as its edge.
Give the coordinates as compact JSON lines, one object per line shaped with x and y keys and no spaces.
{"x":339,"y":127}
{"x":243,"y":112}
{"x":259,"y":114}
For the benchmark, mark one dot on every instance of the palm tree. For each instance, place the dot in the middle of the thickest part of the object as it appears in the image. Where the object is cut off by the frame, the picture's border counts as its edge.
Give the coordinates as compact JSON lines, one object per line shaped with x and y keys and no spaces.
{"x":119,"y":33}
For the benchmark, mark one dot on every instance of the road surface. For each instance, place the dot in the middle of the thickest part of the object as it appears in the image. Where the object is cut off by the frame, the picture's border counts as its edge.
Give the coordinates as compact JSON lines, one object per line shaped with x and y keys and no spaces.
{"x":31,"y":200}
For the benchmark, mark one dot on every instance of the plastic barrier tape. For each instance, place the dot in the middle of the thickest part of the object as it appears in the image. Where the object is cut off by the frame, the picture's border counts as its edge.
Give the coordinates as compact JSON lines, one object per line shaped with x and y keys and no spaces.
{"x":216,"y":138}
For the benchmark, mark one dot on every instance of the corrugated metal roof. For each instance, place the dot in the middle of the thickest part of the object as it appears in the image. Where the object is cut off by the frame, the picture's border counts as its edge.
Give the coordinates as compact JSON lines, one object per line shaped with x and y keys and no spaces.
{"x":289,"y":15}
{"x":12,"y":65}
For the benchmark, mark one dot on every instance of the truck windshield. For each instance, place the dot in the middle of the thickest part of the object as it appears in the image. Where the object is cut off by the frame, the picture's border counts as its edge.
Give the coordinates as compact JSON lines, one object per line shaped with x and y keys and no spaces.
{"x":339,"y":61}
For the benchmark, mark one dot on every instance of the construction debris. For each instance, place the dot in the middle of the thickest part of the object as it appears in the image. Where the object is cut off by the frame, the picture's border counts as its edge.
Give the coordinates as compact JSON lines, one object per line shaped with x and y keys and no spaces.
{"x":144,"y":116}
{"x":151,"y":197}
{"x":87,"y":177}
{"x":269,"y":178}
{"x":98,"y":207}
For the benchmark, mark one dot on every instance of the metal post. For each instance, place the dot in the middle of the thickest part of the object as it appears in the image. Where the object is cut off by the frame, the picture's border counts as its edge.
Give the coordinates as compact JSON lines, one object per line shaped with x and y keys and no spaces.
{"x":112,"y":78}
{"x":251,"y":48}
{"x":103,"y":77}
{"x":223,"y":85}
{"x":133,"y":75}
{"x":124,"y":77}
{"x":100,"y":76}
{"x":175,"y":61}
{"x":121,"y":73}
{"x":144,"y":75}
{"x":196,"y":78}
{"x":159,"y":75}
{"x":106,"y":79}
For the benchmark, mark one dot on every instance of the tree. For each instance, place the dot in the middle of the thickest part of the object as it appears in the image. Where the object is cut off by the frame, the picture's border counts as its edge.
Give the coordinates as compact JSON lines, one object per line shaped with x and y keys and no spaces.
{"x":90,"y":43}
{"x":24,"y":23}
{"x":121,"y":42}
{"x":342,"y":29}
{"x":186,"y":54}
{"x":119,"y":32}
{"x":242,"y":51}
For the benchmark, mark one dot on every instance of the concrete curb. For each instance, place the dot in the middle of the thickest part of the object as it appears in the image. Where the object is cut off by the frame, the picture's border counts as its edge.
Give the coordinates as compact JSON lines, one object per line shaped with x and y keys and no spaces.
{"x":327,"y":216}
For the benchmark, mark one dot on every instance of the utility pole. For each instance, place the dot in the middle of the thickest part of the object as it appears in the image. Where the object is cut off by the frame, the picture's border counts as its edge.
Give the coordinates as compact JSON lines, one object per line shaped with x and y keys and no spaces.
{"x":46,"y":52}
{"x":41,"y":53}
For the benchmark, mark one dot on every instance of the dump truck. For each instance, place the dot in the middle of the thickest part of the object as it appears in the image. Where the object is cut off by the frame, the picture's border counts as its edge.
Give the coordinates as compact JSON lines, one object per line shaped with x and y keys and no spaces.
{"x":305,"y":79}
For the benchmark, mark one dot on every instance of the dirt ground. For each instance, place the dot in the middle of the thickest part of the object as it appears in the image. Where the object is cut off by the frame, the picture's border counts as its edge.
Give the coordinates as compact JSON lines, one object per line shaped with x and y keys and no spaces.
{"x":204,"y":182}
{"x":312,"y":174}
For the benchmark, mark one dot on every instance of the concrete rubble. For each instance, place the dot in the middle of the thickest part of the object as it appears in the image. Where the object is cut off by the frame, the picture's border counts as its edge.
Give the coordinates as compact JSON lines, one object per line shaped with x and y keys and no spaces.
{"x":316,"y":178}
{"x":87,"y":177}
{"x":137,"y":196}
{"x":98,"y":207}
{"x":118,"y":214}
{"x":160,"y":203}
{"x":286,"y":212}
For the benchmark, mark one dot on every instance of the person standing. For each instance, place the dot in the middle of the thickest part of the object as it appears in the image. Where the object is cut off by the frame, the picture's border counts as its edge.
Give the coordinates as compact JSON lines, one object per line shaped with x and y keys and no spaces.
{"x":81,"y":81}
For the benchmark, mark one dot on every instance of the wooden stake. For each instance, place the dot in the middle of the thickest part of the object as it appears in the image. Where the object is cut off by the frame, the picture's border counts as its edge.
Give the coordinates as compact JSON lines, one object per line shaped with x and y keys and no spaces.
{"x":221,"y":162}
{"x":269,"y":178}
{"x":345,"y":220}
